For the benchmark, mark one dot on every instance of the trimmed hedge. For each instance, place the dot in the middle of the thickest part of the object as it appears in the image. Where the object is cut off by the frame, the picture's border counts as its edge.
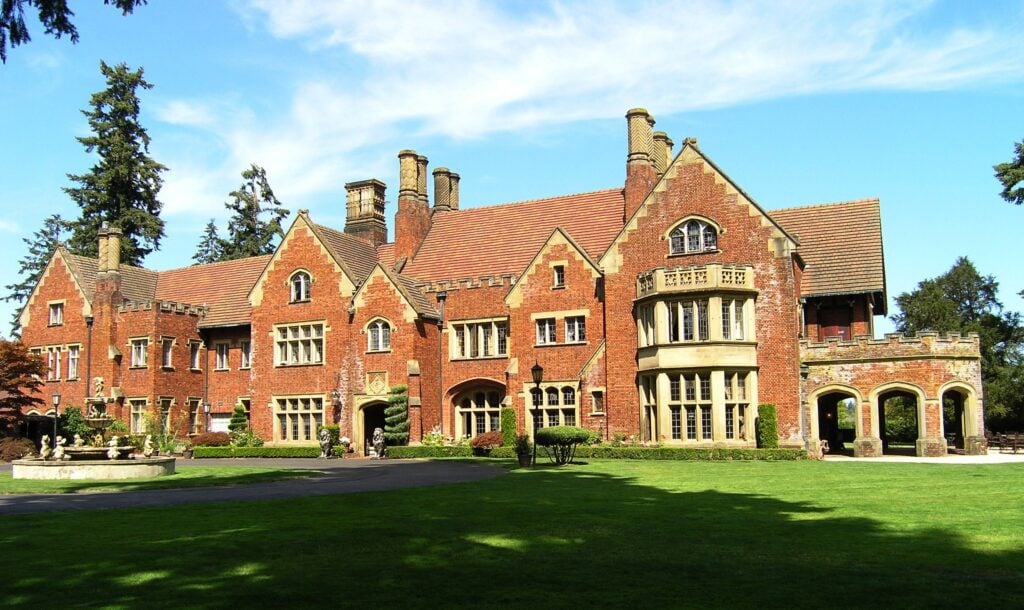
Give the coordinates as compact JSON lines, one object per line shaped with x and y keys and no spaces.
{"x":256,"y":452}
{"x":767,"y":428}
{"x":508,"y":426}
{"x":713,"y":454}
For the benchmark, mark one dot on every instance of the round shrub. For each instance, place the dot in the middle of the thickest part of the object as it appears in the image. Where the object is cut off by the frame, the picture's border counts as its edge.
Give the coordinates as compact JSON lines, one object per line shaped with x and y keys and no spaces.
{"x":211,"y":439}
{"x":561,"y":442}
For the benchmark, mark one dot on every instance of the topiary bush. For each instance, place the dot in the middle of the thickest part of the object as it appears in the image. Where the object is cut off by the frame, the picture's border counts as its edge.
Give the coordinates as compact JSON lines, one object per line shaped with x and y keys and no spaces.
{"x":396,"y":417}
{"x":561,"y":442}
{"x":508,"y":426}
{"x":211,"y":439}
{"x":767,"y":427}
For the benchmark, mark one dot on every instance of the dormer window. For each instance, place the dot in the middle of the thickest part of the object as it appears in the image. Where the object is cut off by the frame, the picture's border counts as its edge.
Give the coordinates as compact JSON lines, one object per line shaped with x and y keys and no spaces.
{"x":692,"y":237}
{"x":300,"y":287}
{"x":378,"y":335}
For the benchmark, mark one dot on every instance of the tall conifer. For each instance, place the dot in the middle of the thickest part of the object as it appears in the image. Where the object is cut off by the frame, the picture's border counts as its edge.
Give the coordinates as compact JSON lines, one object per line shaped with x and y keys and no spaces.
{"x":40,"y":248}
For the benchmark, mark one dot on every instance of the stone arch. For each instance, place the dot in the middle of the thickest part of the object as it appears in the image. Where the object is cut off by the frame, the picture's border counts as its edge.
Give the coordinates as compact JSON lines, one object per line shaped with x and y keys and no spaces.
{"x":476,"y":404}
{"x":368,"y":415}
{"x":967,"y":433}
{"x":815,"y":405}
{"x":879,"y":394}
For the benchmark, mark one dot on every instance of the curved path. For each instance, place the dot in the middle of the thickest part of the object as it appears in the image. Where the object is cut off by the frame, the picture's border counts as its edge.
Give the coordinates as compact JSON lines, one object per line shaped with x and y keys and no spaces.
{"x":338,"y":477}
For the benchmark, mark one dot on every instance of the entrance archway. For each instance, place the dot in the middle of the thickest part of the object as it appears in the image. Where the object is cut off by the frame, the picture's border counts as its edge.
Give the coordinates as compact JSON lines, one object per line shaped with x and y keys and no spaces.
{"x":837,"y":421}
{"x":371,"y":416}
{"x":900,"y":424}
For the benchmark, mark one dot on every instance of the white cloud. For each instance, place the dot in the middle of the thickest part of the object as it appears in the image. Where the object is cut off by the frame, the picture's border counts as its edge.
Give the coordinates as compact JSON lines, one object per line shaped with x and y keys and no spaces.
{"x":468,"y":69}
{"x":8,"y":226}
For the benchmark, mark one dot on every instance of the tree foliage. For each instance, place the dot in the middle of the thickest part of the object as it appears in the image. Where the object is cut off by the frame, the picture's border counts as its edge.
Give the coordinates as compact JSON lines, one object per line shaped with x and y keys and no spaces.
{"x":396,"y":416}
{"x":40,"y":245}
{"x":54,"y":15}
{"x":1011,"y":176}
{"x":122,"y":187}
{"x":962,"y":300}
{"x":211,"y":247}
{"x":21,"y":377}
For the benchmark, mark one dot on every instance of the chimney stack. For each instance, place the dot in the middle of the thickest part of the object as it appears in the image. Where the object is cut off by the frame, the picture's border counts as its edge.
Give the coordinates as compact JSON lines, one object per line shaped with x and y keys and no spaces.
{"x":442,"y":189}
{"x":109,"y":249}
{"x":453,"y":197}
{"x":364,"y":203}
{"x":640,"y":169}
{"x":412,"y":221}
{"x":660,"y":154}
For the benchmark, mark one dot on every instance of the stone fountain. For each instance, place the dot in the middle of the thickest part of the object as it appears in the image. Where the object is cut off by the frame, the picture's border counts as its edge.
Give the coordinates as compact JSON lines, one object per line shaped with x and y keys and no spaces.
{"x":95,"y":458}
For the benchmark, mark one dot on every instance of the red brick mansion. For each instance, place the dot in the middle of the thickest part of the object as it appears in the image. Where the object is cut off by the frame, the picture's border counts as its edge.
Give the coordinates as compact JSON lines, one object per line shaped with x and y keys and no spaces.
{"x":666,"y":309}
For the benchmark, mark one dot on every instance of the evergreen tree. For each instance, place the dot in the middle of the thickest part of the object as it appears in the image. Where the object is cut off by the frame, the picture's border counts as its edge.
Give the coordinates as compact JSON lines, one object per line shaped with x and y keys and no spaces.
{"x":122,"y":187}
{"x":249,"y":234}
{"x":54,"y":15}
{"x":962,"y":300}
{"x":40,"y":248}
{"x":211,"y":247}
{"x":396,"y":416}
{"x":1011,"y":176}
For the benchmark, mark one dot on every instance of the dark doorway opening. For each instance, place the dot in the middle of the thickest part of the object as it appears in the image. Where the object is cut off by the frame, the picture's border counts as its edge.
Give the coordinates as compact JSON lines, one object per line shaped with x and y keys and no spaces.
{"x":373,"y":417}
{"x":898,"y":423}
{"x":837,"y":423}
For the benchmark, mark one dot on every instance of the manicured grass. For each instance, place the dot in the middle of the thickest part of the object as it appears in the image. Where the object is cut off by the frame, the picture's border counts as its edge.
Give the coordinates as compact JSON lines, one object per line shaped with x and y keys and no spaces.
{"x":193,"y":476}
{"x":603,"y":534}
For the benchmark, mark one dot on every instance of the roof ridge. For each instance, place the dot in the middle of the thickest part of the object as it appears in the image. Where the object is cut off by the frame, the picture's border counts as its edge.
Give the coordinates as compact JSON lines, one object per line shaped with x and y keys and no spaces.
{"x":511,"y":203}
{"x":826,"y":204}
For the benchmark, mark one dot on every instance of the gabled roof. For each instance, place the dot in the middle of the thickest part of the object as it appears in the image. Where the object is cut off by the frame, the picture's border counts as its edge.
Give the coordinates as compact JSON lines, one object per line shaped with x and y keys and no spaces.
{"x":223,"y":288}
{"x":353,"y":253}
{"x":409,"y":290}
{"x":137,"y":284}
{"x":841,"y":244}
{"x":504,"y":238}
{"x":557,"y":237}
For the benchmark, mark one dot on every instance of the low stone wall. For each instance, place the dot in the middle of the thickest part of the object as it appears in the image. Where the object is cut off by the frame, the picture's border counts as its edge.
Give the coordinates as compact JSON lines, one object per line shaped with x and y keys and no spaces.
{"x":142,"y":468}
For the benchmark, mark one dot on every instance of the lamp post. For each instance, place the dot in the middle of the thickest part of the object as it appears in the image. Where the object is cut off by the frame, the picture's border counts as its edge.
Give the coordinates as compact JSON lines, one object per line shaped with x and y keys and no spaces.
{"x":206,"y":417}
{"x":56,"y":405}
{"x":537,"y":371}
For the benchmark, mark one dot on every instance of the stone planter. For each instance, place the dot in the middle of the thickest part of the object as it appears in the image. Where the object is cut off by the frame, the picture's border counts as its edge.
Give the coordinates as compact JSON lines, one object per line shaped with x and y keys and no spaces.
{"x":524,"y":459}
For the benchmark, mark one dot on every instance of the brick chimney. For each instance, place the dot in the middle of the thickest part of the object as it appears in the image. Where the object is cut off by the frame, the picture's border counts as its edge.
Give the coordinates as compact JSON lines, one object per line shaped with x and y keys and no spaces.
{"x":412,"y":221}
{"x":364,"y":202}
{"x":640,"y":170}
{"x":453,"y":196}
{"x":662,"y":152}
{"x":106,"y":300}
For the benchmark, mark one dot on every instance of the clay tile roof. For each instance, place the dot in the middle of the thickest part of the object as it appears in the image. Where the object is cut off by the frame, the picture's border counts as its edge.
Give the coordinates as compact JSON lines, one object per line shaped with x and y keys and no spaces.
{"x":137,"y":284}
{"x":222,"y":287}
{"x":386,"y":255}
{"x":841,"y":244}
{"x":504,"y":238}
{"x":358,"y":255}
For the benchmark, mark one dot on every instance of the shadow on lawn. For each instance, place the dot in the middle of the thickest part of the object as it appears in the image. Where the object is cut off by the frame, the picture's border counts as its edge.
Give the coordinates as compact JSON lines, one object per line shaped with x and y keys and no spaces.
{"x":183,"y":479}
{"x":546,"y":538}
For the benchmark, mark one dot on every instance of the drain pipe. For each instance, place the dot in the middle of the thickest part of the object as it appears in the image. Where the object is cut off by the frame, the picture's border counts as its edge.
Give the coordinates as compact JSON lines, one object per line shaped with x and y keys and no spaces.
{"x":88,"y":359}
{"x":442,"y":296}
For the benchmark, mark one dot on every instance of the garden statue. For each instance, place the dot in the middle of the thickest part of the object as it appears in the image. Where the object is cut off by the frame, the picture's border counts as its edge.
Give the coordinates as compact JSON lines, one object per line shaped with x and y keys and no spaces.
{"x":78,"y":441}
{"x":97,"y":440}
{"x":325,"y":443}
{"x":147,"y":446}
{"x":380,"y":448}
{"x":44,"y":447}
{"x":58,"y":449}
{"x":743,"y":427}
{"x":112,"y":452}
{"x":97,"y":386}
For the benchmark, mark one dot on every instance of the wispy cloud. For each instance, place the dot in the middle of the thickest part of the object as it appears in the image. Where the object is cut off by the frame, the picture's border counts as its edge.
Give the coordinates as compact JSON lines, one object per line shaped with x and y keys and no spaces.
{"x":467,"y":69}
{"x":8,"y":226}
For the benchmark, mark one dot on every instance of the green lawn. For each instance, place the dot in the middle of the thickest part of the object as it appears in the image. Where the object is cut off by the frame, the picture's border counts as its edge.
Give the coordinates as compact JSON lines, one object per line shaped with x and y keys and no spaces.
{"x":198,"y":476}
{"x":606,"y":534}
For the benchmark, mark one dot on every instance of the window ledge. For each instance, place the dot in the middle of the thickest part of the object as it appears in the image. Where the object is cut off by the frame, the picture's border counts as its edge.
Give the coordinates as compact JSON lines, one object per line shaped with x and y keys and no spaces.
{"x":52,"y":324}
{"x":477,"y":358}
{"x":196,"y":369}
{"x":221,"y":370}
{"x":299,"y":301}
{"x":297,"y":364}
{"x":684,"y":254}
{"x":558,"y":287}
{"x":167,"y":367}
{"x":378,"y":351}
{"x":137,"y":366}
{"x":245,"y":368}
{"x":73,"y":379}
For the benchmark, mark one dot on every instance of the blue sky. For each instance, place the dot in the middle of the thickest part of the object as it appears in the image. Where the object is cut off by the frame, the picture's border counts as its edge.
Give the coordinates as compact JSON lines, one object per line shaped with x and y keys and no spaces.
{"x":800,"y":103}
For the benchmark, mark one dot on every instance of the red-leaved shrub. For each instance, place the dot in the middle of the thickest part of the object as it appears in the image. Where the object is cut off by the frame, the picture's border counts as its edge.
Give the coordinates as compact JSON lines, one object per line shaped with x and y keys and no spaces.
{"x":487,"y":440}
{"x":211,"y":439}
{"x":15,"y":448}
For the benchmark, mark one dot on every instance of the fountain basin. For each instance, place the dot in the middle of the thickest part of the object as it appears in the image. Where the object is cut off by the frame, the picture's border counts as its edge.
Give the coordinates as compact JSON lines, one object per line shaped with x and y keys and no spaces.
{"x":77,"y":454}
{"x":140,"y":468}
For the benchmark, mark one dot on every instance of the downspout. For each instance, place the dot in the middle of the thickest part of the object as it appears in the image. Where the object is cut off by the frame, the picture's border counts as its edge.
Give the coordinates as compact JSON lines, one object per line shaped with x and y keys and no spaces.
{"x":441,"y":297}
{"x":206,"y":380}
{"x":88,"y":357}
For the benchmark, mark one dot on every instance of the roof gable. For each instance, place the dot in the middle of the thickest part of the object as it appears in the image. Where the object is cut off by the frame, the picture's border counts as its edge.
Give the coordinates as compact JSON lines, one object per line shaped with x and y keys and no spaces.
{"x":62,"y":254}
{"x":416,"y":302}
{"x":514,"y":298}
{"x":781,"y":242}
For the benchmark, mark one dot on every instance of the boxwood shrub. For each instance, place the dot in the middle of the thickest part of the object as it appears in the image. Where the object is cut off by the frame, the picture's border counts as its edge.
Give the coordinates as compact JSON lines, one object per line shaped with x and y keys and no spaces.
{"x":713,"y":454}
{"x":508,"y":426}
{"x":767,"y":427}
{"x":256,"y":452}
{"x":561,"y":442}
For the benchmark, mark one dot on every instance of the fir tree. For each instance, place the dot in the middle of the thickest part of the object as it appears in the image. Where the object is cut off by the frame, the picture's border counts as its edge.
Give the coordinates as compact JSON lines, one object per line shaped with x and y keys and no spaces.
{"x":122,"y":187}
{"x":396,"y":417}
{"x":249,"y":234}
{"x":1011,"y":176}
{"x":211,"y":247}
{"x":54,"y":15}
{"x":40,"y":248}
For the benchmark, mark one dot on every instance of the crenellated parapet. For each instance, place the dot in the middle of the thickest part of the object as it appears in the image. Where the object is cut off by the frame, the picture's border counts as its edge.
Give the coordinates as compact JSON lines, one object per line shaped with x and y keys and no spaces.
{"x":893,"y":346}
{"x":484,"y":281}
{"x":162,"y":306}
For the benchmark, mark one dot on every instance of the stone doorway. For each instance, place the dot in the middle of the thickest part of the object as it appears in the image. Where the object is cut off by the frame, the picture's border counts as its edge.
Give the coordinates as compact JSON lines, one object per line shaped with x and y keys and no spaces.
{"x":837,"y":422}
{"x":373,"y":417}
{"x":899,"y":422}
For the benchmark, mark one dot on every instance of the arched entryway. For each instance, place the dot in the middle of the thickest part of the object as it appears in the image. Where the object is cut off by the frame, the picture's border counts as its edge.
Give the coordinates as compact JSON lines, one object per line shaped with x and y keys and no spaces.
{"x":899,"y":422}
{"x":837,"y":421}
{"x":960,"y":419}
{"x":477,"y":408}
{"x":371,"y":416}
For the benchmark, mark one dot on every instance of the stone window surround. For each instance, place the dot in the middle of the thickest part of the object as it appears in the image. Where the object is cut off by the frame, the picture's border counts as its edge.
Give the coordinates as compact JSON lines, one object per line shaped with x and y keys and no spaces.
{"x":138,"y":348}
{"x":530,"y":391}
{"x":657,"y":309}
{"x":55,"y":312}
{"x":74,"y":351}
{"x":315,"y":339}
{"x":167,"y":354}
{"x":557,"y":316}
{"x":378,"y":330}
{"x":489,"y":410}
{"x":245,"y":351}
{"x":299,"y":290}
{"x":221,"y":361}
{"x":53,"y":362}
{"x":294,"y":422}
{"x":469,"y":328}
{"x":558,"y":274}
{"x":704,"y":223}
{"x":195,"y":355}
{"x":137,"y":407}
{"x":742,"y":407}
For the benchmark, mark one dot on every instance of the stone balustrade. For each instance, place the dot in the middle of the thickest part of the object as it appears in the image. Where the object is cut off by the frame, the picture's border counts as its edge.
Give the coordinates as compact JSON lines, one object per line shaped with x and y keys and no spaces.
{"x":695,"y":279}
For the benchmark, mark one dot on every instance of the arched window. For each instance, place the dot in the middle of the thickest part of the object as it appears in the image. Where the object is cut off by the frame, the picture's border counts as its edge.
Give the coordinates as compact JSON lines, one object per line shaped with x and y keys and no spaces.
{"x":693,"y":236}
{"x":378,"y":336}
{"x":568,"y":396}
{"x":300,"y":283}
{"x":552,"y":397}
{"x":478,"y":411}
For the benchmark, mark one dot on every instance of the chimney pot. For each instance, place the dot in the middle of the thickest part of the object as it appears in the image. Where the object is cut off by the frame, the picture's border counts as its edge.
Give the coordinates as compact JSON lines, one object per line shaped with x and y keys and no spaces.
{"x":453,"y":197}
{"x":421,"y":178}
{"x":407,"y":173}
{"x":442,"y":189}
